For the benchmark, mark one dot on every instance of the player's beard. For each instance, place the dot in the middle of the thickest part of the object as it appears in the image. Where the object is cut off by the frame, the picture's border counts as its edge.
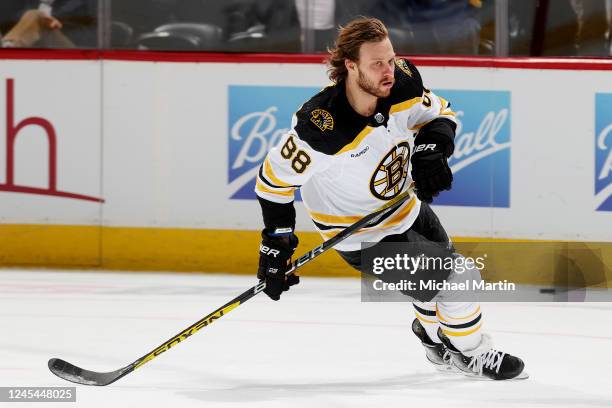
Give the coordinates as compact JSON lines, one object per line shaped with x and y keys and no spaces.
{"x":368,"y":86}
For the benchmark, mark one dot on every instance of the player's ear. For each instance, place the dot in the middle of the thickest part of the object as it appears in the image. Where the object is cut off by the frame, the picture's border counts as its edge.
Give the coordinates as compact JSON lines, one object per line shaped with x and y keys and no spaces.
{"x":350,"y":65}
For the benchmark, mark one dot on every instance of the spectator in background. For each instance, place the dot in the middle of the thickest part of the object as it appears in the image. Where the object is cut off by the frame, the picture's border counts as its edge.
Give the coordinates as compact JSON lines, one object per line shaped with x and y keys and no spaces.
{"x":609,"y":27}
{"x":8,"y":10}
{"x":432,"y":26}
{"x":317,"y":17}
{"x":571,"y":27}
{"x":262,"y":25}
{"x":54,"y":24}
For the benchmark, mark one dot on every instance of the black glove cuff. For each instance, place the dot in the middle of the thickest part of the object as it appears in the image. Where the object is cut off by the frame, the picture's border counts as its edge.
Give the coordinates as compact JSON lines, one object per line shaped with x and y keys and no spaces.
{"x":289,"y":242}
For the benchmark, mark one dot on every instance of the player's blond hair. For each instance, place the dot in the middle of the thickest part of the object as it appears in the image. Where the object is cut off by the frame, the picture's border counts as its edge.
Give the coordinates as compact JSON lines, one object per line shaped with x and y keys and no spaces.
{"x":349,"y":41}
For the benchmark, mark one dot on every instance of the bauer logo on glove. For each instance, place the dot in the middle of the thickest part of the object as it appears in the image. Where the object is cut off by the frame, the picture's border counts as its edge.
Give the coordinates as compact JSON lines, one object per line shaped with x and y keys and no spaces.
{"x":274,"y":260}
{"x":268,"y":251}
{"x":430,"y":170}
{"x":424,"y":147}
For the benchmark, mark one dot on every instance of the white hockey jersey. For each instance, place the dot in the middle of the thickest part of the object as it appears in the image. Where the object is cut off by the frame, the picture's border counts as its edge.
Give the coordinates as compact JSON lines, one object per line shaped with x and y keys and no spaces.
{"x":347,"y":165}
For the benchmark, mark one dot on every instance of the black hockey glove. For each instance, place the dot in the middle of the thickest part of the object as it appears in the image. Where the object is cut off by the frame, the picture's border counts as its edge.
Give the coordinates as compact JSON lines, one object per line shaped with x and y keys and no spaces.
{"x":274,"y":260}
{"x":430,"y":170}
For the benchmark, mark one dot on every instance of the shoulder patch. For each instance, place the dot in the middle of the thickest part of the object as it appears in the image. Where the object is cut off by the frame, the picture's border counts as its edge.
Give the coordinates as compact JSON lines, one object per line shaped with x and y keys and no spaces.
{"x":327,"y":123}
{"x":322,"y":119}
{"x":408,"y":83}
{"x":403,"y":65}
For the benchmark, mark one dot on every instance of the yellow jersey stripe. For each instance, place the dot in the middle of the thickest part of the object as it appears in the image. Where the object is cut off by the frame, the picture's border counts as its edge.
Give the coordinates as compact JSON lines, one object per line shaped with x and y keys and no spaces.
{"x":351,"y":219}
{"x":329,"y":235}
{"x":390,"y":223}
{"x":443,"y":102}
{"x":398,"y":107}
{"x":445,"y":109}
{"x":402,"y":214}
{"x":362,"y":135}
{"x":397,"y":218}
{"x":261,"y":187}
{"x":420,"y":125}
{"x":271,"y":176}
{"x":334,"y":219}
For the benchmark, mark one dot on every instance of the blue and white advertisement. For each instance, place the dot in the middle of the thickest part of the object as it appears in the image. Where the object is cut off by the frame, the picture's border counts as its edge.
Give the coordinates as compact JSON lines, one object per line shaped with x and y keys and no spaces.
{"x":481,"y":161}
{"x":258,"y":117}
{"x":603,"y":151}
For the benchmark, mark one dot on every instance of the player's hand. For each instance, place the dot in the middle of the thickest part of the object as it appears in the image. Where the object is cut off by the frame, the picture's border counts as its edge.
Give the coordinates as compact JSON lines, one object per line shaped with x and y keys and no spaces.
{"x":274,"y":260}
{"x":430,"y":170}
{"x":52,"y":23}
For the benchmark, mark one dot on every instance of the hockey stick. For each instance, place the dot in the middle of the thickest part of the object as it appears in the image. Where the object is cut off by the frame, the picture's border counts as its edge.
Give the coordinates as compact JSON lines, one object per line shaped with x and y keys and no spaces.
{"x":70,"y":372}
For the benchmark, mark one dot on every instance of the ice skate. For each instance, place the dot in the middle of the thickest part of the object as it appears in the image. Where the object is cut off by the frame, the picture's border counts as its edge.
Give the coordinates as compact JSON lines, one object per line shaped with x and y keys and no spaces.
{"x":485,"y":362}
{"x":437,"y":354}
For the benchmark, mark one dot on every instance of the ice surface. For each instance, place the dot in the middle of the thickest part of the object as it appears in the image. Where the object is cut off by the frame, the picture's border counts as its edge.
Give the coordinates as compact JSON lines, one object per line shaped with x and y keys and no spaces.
{"x":318,"y":347}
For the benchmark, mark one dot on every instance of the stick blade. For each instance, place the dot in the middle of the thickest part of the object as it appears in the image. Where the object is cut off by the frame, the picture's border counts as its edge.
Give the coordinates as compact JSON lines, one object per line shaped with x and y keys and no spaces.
{"x":72,"y":373}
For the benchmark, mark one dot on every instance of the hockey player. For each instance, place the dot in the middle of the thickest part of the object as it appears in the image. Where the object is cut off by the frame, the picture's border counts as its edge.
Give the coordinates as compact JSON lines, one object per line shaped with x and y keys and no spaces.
{"x":349,"y":150}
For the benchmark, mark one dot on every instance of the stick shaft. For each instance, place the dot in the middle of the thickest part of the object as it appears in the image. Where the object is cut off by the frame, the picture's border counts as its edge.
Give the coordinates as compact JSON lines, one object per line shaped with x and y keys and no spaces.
{"x":301,"y":261}
{"x":70,"y":372}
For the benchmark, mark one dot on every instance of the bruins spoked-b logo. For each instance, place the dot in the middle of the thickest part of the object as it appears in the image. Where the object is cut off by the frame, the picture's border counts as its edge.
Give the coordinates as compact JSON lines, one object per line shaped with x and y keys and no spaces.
{"x":322,"y":119}
{"x":390,"y":175}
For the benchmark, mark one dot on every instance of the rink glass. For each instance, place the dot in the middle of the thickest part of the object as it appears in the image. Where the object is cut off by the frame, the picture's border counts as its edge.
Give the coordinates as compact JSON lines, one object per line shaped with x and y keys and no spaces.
{"x":471,"y":27}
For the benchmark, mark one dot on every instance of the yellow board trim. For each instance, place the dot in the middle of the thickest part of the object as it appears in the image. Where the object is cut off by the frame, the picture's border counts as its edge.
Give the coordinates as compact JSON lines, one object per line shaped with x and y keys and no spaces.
{"x":150,"y":249}
{"x":201,"y":250}
{"x":362,"y":135}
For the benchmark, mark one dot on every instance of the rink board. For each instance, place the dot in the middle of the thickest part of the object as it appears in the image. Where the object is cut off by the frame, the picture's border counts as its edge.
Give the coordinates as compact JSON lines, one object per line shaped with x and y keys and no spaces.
{"x":157,"y":158}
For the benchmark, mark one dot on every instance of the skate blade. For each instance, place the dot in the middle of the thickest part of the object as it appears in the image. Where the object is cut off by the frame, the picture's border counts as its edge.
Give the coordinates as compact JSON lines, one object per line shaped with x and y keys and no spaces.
{"x":446,"y":369}
{"x":521,"y":376}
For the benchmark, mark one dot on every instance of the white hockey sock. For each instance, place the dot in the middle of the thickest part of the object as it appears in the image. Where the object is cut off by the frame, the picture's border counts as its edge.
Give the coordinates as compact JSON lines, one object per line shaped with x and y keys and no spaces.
{"x":461,"y":322}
